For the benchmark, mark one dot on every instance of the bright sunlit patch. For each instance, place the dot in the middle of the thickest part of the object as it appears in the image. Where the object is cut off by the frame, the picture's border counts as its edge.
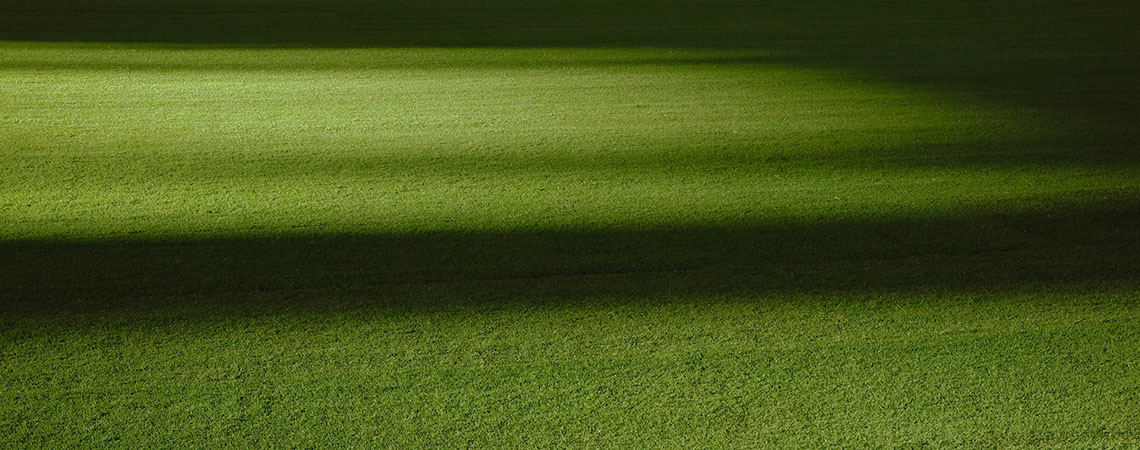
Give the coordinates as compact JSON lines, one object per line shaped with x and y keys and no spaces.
{"x":117,"y":140}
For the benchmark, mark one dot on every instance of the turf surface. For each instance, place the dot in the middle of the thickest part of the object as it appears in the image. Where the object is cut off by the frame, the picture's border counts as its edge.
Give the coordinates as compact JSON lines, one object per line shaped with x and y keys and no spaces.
{"x":620,"y":224}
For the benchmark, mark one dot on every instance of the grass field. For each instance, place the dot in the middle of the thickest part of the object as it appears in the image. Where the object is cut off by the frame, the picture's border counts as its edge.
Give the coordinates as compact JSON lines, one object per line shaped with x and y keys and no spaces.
{"x":631,"y":224}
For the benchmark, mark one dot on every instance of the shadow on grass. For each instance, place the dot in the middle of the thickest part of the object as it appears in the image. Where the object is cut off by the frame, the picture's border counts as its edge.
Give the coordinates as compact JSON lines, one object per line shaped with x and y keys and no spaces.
{"x":1079,"y":243}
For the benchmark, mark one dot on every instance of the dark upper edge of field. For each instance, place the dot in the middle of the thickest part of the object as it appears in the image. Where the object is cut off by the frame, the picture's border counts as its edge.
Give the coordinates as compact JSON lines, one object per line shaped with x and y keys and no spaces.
{"x":1093,"y":241}
{"x":887,"y":25}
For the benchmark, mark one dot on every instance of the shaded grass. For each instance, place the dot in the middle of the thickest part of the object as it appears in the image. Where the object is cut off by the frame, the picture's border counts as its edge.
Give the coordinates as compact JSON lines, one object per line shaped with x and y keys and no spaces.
{"x":1079,"y":242}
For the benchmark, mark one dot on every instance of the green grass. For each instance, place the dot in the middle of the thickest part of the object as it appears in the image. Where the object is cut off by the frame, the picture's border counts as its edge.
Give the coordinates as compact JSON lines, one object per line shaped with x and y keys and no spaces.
{"x":202,"y":142}
{"x":1037,"y":368}
{"x":630,"y":224}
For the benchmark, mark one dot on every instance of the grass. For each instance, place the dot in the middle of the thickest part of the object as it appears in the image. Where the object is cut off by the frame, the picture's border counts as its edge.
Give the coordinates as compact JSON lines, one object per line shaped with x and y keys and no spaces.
{"x":198,"y":142}
{"x":594,"y":225}
{"x":1037,"y":368}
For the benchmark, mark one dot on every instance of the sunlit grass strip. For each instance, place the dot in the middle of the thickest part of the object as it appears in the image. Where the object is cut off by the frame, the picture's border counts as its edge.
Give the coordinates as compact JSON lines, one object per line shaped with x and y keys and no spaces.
{"x":115,"y":140}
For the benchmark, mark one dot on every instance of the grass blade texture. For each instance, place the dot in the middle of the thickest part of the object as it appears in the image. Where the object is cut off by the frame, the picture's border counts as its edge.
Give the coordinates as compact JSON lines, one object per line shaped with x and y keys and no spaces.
{"x":621,"y":224}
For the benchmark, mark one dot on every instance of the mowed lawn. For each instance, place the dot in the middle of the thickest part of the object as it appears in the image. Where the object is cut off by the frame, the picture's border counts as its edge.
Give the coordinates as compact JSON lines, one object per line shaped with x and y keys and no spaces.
{"x":641,"y":225}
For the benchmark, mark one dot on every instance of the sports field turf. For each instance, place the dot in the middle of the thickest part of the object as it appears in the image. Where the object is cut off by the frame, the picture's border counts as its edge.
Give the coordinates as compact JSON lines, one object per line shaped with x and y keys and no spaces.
{"x":631,"y":224}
